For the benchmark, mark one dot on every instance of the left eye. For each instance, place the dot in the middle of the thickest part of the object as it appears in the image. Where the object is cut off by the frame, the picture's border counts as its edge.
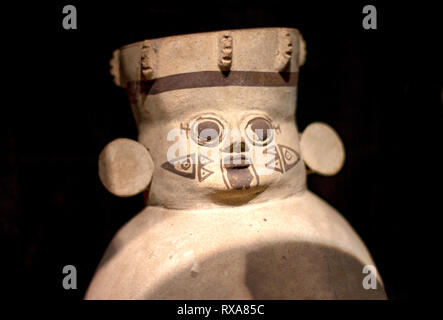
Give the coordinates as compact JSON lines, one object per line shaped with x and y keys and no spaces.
{"x":207,"y":132}
{"x":259,"y":130}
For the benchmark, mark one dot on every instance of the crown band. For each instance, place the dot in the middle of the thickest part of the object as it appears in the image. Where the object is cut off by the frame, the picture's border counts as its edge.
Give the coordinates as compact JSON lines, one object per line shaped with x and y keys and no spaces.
{"x":204,"y":79}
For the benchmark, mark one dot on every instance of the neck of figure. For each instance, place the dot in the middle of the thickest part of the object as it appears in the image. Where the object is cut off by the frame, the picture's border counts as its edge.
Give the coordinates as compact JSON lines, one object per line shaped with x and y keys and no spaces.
{"x":292,"y":185}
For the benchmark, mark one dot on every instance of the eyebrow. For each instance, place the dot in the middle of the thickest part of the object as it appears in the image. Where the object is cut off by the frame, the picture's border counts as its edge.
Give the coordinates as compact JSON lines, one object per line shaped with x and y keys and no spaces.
{"x":204,"y":79}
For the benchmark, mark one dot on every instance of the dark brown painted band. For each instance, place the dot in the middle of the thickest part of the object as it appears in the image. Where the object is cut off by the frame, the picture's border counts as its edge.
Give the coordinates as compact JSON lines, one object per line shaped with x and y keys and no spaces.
{"x":206,"y":79}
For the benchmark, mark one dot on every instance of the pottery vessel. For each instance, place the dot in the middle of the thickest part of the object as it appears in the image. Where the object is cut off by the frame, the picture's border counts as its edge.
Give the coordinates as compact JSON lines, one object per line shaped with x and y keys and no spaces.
{"x":223,"y":167}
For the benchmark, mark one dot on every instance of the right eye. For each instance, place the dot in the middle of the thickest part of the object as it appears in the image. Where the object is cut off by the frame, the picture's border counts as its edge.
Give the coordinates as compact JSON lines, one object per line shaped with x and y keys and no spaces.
{"x":207,"y":131}
{"x":259,"y":131}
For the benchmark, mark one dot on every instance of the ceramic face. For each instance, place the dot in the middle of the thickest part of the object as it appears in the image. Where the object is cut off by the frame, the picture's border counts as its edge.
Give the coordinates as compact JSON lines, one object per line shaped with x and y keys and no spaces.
{"x":223,"y":140}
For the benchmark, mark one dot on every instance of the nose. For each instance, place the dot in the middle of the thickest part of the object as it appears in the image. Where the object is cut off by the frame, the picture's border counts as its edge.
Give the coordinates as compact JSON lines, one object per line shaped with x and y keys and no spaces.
{"x":237,"y":146}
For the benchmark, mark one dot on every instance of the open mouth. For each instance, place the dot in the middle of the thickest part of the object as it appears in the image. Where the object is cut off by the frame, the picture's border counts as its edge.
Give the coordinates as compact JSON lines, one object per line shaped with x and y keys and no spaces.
{"x":238,"y":172}
{"x":236,"y":162}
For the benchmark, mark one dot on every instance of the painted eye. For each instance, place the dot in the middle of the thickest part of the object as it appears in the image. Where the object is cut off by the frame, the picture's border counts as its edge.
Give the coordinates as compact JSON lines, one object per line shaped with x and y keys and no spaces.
{"x":207,"y":132}
{"x":259,"y":131}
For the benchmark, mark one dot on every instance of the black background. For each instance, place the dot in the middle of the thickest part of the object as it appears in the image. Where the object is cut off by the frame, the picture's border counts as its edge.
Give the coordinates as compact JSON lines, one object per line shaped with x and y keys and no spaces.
{"x":380,"y":89}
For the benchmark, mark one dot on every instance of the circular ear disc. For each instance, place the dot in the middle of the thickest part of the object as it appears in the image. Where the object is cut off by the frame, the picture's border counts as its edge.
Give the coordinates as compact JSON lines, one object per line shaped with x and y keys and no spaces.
{"x":125,"y":167}
{"x":322,"y":149}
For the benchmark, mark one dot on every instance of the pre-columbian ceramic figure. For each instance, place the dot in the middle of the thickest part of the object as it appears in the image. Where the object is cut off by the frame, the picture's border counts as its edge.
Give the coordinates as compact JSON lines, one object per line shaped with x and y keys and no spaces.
{"x":223,"y":167}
